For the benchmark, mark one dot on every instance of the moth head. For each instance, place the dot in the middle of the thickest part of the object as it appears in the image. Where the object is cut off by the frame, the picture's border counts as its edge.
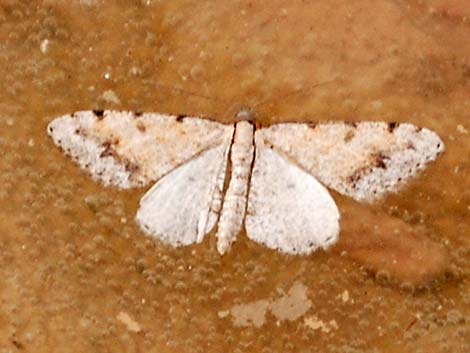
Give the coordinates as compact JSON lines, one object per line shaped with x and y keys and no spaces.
{"x":245,"y":114}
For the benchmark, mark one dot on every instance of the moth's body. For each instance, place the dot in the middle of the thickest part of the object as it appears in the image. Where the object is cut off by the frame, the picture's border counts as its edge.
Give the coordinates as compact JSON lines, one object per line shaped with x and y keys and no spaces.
{"x":225,"y":176}
{"x":234,"y":207}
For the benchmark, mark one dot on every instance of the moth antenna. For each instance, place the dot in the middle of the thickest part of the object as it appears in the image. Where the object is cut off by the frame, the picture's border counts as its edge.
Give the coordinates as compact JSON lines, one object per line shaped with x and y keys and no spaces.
{"x":190,"y":93}
{"x":293,"y":93}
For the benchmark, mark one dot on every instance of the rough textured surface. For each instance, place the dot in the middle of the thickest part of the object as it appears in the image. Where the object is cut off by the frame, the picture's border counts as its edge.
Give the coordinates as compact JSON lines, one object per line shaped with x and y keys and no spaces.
{"x":128,"y":149}
{"x":364,"y":160}
{"x":178,"y":208}
{"x":234,"y":206}
{"x":71,"y":256}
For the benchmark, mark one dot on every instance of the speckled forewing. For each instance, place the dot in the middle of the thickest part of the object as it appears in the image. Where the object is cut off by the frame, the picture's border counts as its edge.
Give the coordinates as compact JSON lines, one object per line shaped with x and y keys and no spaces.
{"x":184,"y":205}
{"x":363,"y":160}
{"x":128,"y":149}
{"x":288,"y":209}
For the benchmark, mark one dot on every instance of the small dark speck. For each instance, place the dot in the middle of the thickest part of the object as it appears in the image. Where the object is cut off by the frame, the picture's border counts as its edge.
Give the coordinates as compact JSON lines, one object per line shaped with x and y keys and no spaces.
{"x":131,"y":167}
{"x":351,"y":123}
{"x":392,"y":126}
{"x":312,"y":125}
{"x":17,"y":344}
{"x":349,"y":136}
{"x":137,"y":114}
{"x":179,"y":118}
{"x":141,"y":127}
{"x":99,"y":113}
{"x":379,"y":160}
{"x":51,"y":129}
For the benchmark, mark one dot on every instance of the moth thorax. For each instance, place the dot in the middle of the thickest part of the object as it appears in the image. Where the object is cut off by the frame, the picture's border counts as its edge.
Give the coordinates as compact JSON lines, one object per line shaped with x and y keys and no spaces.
{"x":245,"y":114}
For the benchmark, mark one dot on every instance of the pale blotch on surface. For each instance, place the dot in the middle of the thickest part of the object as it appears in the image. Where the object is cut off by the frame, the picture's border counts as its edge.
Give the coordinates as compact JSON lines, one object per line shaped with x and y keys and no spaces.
{"x":129,"y":322}
{"x":314,"y":323}
{"x":250,"y":314}
{"x":292,"y":305}
{"x":289,"y":306}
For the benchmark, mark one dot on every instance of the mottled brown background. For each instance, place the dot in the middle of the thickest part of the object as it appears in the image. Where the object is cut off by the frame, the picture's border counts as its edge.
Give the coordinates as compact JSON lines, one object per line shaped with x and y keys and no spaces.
{"x":72,"y":258}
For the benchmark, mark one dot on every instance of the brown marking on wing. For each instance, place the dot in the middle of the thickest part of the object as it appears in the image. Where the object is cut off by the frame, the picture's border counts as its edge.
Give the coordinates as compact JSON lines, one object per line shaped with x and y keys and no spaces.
{"x":392,"y":126}
{"x":378,"y":160}
{"x":141,"y":126}
{"x":349,"y":135}
{"x":99,"y":114}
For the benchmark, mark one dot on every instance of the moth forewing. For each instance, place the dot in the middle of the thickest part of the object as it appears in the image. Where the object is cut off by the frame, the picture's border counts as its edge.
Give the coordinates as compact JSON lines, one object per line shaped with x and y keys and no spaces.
{"x":128,"y":149}
{"x":364,"y":160}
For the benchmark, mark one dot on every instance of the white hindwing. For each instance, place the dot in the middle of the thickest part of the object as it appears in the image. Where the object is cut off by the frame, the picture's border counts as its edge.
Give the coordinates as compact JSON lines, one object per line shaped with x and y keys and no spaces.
{"x":363,"y":160}
{"x":128,"y":149}
{"x":184,"y":205}
{"x":288,"y":209}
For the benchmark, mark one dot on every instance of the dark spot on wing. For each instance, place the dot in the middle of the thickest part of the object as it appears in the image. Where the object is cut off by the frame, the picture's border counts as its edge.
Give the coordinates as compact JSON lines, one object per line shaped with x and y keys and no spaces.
{"x":99,"y":114}
{"x":179,"y":118}
{"x":141,"y":127}
{"x":313,"y":125}
{"x":378,"y":160}
{"x":137,"y":114}
{"x":418,"y":128}
{"x":349,"y":135}
{"x":108,"y":150}
{"x":131,"y":167}
{"x":392,"y":126}
{"x":351,"y":123}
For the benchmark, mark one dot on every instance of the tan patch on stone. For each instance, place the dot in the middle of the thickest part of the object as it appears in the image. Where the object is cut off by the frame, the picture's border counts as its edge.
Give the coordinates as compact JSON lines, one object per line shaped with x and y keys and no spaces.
{"x":289,"y":306}
{"x":129,"y":322}
{"x":314,"y":323}
{"x":250,"y":314}
{"x":292,"y":305}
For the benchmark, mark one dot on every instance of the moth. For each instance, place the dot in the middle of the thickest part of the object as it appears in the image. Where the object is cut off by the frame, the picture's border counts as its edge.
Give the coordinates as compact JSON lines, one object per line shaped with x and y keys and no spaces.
{"x":211,"y":176}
